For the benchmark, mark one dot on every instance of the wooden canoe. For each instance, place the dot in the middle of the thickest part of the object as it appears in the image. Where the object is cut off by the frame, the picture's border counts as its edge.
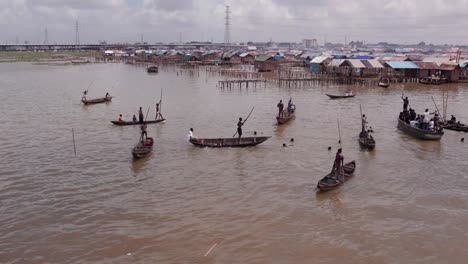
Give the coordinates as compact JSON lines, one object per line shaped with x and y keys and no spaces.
{"x":419,"y":133}
{"x":456,"y":127}
{"x":340,"y":96}
{"x":228,"y":142}
{"x":97,"y":100}
{"x":131,"y":123}
{"x":384,"y":85}
{"x":366,"y":141}
{"x":330,"y":181}
{"x":152,"y":69}
{"x":285,"y":117}
{"x":142,"y":149}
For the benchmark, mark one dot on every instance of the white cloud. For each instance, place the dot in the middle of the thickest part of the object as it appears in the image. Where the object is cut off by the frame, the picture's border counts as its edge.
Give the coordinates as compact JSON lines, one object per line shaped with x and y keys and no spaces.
{"x":258,"y":20}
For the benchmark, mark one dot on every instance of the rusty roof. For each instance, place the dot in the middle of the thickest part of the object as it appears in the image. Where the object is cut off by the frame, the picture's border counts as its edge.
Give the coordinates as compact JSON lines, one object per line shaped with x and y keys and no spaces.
{"x":425,"y":65}
{"x":448,"y":66}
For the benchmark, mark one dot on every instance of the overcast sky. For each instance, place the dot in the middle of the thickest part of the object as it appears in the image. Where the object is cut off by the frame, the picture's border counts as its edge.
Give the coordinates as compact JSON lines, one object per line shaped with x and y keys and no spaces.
{"x":397,"y":21}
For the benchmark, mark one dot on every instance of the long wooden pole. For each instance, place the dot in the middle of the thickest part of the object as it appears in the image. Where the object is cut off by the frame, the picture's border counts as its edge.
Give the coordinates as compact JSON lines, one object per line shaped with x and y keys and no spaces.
{"x":74,"y":145}
{"x":147,"y":112}
{"x":437,"y":108}
{"x":245,"y":120}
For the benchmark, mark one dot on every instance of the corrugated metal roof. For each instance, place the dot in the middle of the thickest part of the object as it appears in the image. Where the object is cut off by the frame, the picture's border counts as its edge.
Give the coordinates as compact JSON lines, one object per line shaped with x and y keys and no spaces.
{"x":395,"y":58}
{"x":319,"y":59}
{"x":375,"y":63}
{"x":362,"y":57}
{"x":263,"y":58}
{"x":245,"y":54}
{"x":448,"y":66}
{"x":426,"y":65}
{"x":402,"y":64}
{"x":356,"y":63}
{"x":336,"y":62}
{"x":437,"y":60}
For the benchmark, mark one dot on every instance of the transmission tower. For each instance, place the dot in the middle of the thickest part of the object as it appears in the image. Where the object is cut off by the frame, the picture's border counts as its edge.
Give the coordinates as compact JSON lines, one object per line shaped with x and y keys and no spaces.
{"x":227,"y":33}
{"x":46,"y":37}
{"x":77,"y":34}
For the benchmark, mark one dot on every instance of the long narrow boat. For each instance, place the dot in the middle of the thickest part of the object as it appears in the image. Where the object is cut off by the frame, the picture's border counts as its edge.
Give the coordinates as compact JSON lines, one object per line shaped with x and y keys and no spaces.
{"x":419,"y":133}
{"x":152,"y":69}
{"x":340,"y":96}
{"x":383,"y":84}
{"x":285,"y":117}
{"x":96,"y":101}
{"x":228,"y":142}
{"x":456,"y":127}
{"x":366,"y":141}
{"x":143,"y":148}
{"x":331,"y":181}
{"x":131,"y":123}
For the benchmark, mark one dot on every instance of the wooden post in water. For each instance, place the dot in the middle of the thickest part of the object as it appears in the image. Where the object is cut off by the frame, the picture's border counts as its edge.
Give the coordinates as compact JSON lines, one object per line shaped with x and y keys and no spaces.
{"x":74,"y":145}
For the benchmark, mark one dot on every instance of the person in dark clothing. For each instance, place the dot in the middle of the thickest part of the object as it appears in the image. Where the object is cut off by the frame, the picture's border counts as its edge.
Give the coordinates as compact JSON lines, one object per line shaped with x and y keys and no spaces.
{"x":280,"y":108}
{"x":338,"y":163}
{"x":412,"y":114}
{"x":405,"y":103}
{"x":453,"y":119}
{"x":141,"y":117}
{"x":239,"y":127}
{"x":144,"y":134}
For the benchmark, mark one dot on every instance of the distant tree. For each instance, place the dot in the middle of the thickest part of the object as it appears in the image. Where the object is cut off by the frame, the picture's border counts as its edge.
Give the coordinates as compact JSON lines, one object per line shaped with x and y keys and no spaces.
{"x":422,"y":43}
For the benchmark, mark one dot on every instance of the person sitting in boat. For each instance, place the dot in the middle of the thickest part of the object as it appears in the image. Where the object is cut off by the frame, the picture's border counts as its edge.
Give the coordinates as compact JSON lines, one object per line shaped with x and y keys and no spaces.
{"x":144,"y":134}
{"x":453,"y":120}
{"x":158,"y":112}
{"x":431,"y":124}
{"x":120,"y":118}
{"x":107,"y":95}
{"x":134,"y":119}
{"x":239,"y":127}
{"x":412,"y":114}
{"x":140,"y":115}
{"x":190,"y":134}
{"x":280,"y":108}
{"x":349,"y":93}
{"x":338,"y":163}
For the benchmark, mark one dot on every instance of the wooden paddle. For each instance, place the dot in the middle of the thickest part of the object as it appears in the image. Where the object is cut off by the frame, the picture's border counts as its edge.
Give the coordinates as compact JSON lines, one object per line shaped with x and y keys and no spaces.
{"x":245,"y":119}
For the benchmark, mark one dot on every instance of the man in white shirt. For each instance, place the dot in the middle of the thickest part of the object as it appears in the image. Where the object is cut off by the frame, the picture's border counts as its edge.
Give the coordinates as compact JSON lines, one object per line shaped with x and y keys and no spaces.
{"x":190,"y":134}
{"x":426,"y":118}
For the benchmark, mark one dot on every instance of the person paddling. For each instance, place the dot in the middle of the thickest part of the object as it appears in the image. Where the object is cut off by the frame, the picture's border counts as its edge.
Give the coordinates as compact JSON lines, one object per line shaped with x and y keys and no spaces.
{"x":239,"y":127}
{"x":144,"y":134}
{"x":338,"y":163}
{"x":158,"y":112}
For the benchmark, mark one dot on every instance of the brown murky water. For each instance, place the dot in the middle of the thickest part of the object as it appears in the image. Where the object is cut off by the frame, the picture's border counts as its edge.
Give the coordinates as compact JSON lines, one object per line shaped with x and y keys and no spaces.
{"x":408,"y":201}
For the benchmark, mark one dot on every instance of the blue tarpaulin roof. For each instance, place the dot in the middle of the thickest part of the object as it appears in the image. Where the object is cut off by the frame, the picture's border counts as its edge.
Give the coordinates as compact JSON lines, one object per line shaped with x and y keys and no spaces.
{"x":362,"y":57}
{"x":402,"y":65}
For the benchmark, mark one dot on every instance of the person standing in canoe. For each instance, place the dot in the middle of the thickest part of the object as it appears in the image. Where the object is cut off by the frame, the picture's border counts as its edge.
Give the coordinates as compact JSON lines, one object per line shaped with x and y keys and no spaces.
{"x":338,"y":164}
{"x":120,"y":118}
{"x":364,"y":122}
{"x":134,"y":119}
{"x":107,"y":95}
{"x":140,"y":115}
{"x":239,"y":127}
{"x":405,"y":103}
{"x":84,"y":95}
{"x":158,"y":112}
{"x":280,"y":108}
{"x":144,"y":134}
